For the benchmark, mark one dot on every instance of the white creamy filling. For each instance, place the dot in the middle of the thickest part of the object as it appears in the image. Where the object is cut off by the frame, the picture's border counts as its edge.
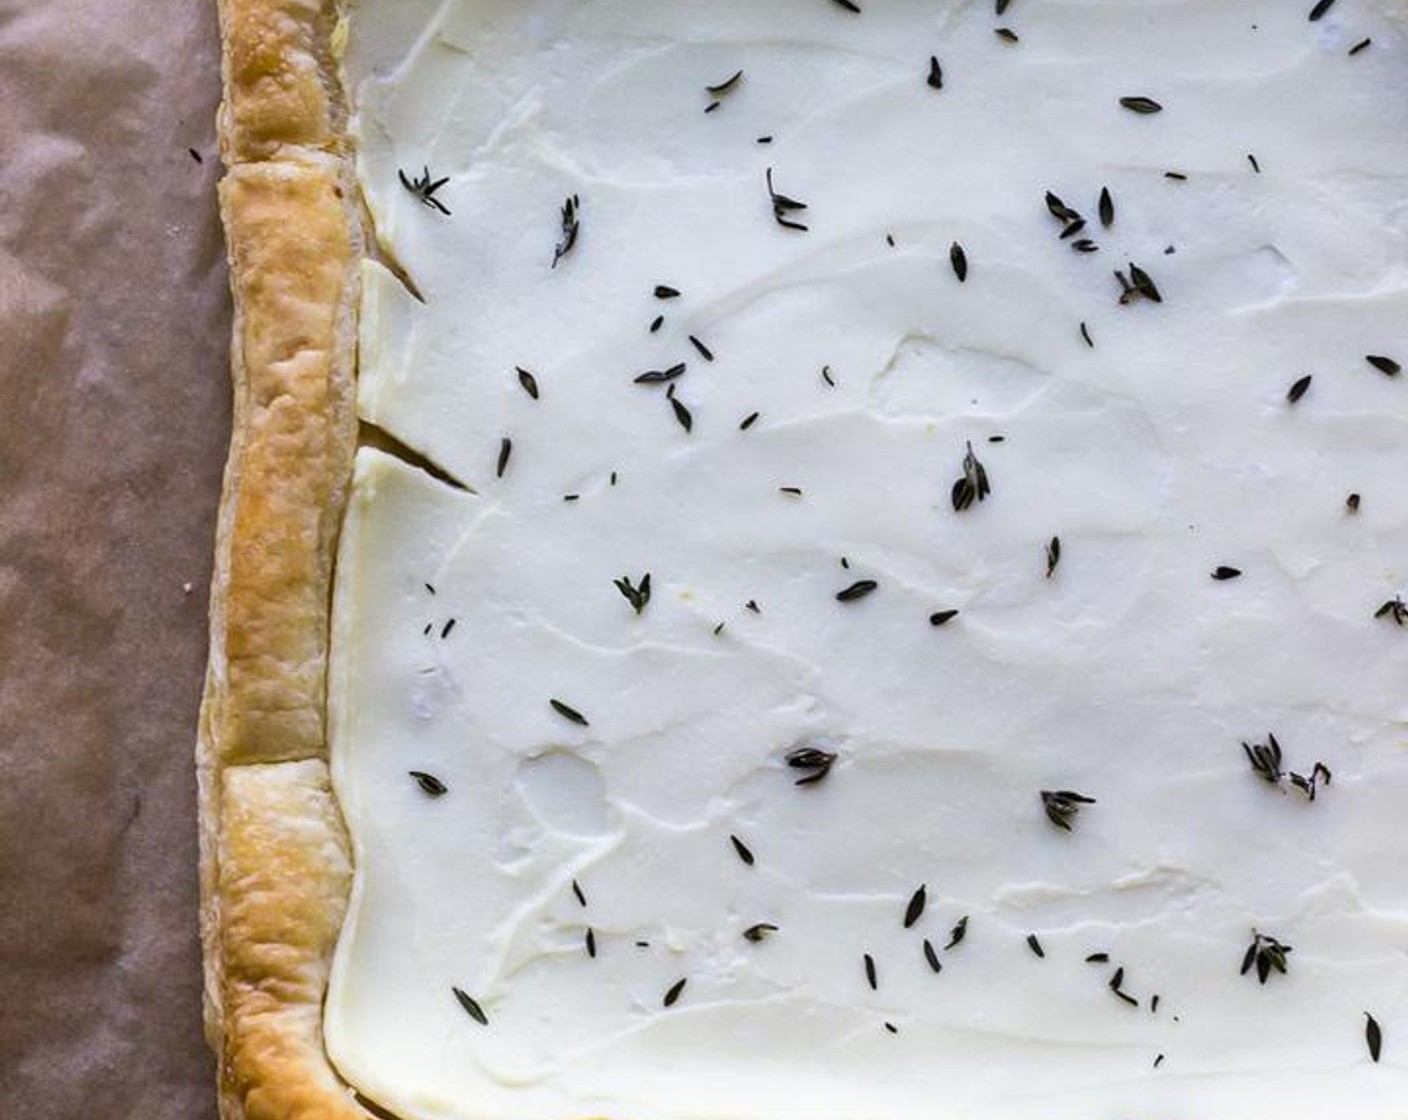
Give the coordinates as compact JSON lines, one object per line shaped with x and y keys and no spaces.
{"x":1163,"y":451}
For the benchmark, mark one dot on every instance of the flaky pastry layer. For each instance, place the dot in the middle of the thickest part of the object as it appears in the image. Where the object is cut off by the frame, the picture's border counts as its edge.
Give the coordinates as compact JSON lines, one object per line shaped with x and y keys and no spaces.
{"x":275,"y":862}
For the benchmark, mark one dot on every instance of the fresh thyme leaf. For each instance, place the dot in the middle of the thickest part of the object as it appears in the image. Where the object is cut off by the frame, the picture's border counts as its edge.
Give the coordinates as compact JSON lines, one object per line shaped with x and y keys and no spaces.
{"x":1267,"y":954}
{"x":936,"y":73}
{"x":1299,"y":389}
{"x":973,"y":486}
{"x":1352,"y":503}
{"x":471,"y":1005}
{"x":676,"y":990}
{"x":704,"y":351}
{"x":782,"y":205}
{"x":958,"y":933}
{"x":1085,"y":334}
{"x":1265,"y":758}
{"x":915,"y":910}
{"x":748,"y":421}
{"x":818,"y":761}
{"x":858,"y":590}
{"x":639,"y":595}
{"x":931,"y":955}
{"x":1059,"y":210}
{"x":577,"y":890}
{"x":938,"y":618}
{"x":528,"y":381}
{"x":661,"y":376}
{"x":1034,"y":944}
{"x":1251,"y":159}
{"x":505,"y":450}
{"x":590,"y":940}
{"x":1387,"y":366}
{"x":1143,"y":284}
{"x":1006,"y":34}
{"x":682,"y":414}
{"x":849,"y":5}
{"x":1373,"y":1036}
{"x":1097,"y":958}
{"x":1222,"y":573}
{"x":429,"y":783}
{"x":1362,"y":45}
{"x":1107,"y":208}
{"x":1062,"y":806}
{"x":1142,"y":105}
{"x":664,"y":291}
{"x":1321,"y":7}
{"x":759,"y":932}
{"x":959,"y":260}
{"x":1309,"y":786}
{"x":1001,"y":6}
{"x":1053,"y":556}
{"x":726,"y":86}
{"x":424,"y":188}
{"x":1395,"y":610}
{"x":569,"y":713}
{"x":870,"y":977}
{"x":571,"y":228}
{"x":1117,"y":986}
{"x":743,"y":851}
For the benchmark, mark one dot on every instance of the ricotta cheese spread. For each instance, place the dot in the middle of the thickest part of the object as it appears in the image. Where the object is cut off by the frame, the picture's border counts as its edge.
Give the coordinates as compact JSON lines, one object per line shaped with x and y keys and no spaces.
{"x":883,"y":597}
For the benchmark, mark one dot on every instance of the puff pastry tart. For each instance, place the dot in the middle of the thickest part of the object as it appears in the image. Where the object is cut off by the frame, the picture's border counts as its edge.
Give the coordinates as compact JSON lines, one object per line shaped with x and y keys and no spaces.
{"x":811,"y":560}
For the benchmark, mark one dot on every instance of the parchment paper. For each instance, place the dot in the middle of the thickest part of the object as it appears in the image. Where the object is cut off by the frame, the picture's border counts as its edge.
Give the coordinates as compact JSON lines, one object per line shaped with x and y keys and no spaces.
{"x":114,"y":414}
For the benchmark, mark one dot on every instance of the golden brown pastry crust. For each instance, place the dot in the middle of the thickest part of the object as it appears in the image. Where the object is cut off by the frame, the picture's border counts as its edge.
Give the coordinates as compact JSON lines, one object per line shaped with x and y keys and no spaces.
{"x":280,"y":81}
{"x":275,"y":863}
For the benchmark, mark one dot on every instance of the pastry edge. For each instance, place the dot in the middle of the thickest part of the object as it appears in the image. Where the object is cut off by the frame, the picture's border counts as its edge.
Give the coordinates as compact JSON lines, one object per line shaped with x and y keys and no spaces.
{"x":275,"y":858}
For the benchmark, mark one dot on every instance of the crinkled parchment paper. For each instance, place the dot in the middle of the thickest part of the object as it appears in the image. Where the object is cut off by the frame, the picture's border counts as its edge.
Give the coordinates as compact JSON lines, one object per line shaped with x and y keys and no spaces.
{"x":114,"y":415}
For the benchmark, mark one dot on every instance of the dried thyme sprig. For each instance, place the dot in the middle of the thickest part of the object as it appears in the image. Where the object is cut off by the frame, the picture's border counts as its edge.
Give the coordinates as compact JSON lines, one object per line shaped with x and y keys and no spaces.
{"x":813,"y":759}
{"x":1062,"y":806}
{"x":424,"y":188}
{"x":782,"y":205}
{"x":639,"y":595}
{"x":1267,"y":954}
{"x":973,"y":486}
{"x":1395,"y":610}
{"x":571,"y":228}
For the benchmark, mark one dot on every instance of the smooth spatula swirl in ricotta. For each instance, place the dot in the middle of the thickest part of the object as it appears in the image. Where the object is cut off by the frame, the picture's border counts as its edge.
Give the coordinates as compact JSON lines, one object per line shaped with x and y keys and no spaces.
{"x":919,"y":629}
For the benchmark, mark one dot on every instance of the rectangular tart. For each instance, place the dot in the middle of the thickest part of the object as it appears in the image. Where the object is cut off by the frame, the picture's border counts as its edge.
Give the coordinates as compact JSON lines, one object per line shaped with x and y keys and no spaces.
{"x":811,"y":560}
